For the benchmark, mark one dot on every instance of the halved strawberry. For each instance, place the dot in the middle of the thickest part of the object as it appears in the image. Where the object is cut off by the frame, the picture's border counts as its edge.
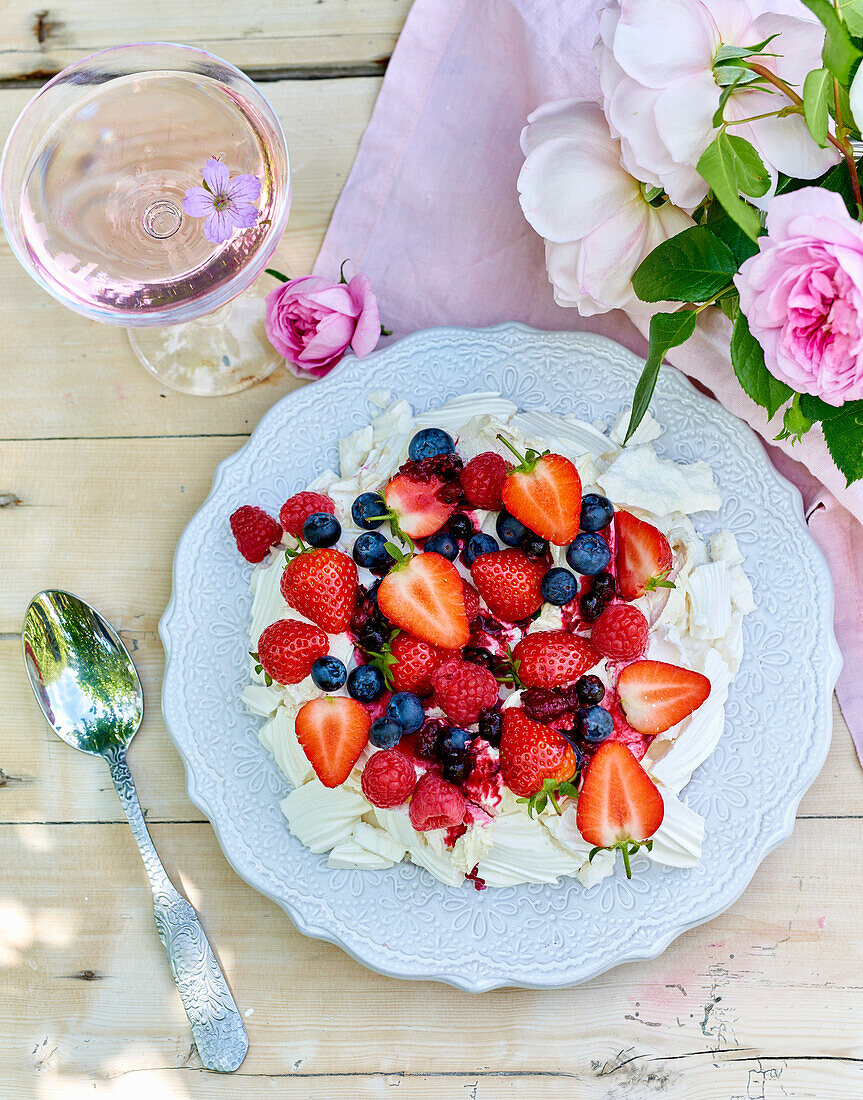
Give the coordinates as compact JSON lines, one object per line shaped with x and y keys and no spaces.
{"x":509,"y":582}
{"x":619,"y":804}
{"x":642,"y":556}
{"x":322,"y":585}
{"x":655,"y":696}
{"x":424,"y":595}
{"x":333,"y":731}
{"x":531,"y":754}
{"x":544,"y":492}
{"x":552,"y":658}
{"x":416,"y":504}
{"x":414,"y":662}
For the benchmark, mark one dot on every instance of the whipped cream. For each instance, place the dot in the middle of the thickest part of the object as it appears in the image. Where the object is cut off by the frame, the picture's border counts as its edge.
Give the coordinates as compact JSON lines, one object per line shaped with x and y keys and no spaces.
{"x":697,"y":624}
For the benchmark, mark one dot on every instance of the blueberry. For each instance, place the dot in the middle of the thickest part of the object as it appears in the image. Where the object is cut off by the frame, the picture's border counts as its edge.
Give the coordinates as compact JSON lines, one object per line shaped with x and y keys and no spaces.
{"x":454,"y":741}
{"x":452,"y":750}
{"x":385,"y":733}
{"x":603,"y":585}
{"x":596,"y":512}
{"x":479,"y":544}
{"x":366,"y":683}
{"x":559,"y":586}
{"x":460,"y":526}
{"x":594,"y":724}
{"x":406,"y":708}
{"x":589,"y":690}
{"x":510,"y":530}
{"x":370,"y":551}
{"x":430,"y":442}
{"x":588,"y":554}
{"x":490,"y":726}
{"x":592,"y":606}
{"x":477,"y":655}
{"x":328,"y":673}
{"x":322,"y":529}
{"x":369,"y":511}
{"x":534,"y":546}
{"x":444,"y":544}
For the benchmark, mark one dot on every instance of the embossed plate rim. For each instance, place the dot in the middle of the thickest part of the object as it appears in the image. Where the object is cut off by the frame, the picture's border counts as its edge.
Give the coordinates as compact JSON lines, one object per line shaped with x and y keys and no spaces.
{"x":398,"y":963}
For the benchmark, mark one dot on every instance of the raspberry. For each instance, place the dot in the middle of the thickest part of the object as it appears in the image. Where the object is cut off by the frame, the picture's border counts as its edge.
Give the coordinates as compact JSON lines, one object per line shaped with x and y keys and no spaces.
{"x":388,"y":779}
{"x":463,"y":689}
{"x":297,"y":509}
{"x":436,"y":804}
{"x":255,"y":532}
{"x":620,"y":632}
{"x":471,"y":601}
{"x":287,"y":649}
{"x":482,"y":480}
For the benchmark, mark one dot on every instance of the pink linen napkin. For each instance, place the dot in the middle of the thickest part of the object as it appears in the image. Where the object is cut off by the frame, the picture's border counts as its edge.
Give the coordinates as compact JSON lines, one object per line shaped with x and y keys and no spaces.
{"x":430,"y":213}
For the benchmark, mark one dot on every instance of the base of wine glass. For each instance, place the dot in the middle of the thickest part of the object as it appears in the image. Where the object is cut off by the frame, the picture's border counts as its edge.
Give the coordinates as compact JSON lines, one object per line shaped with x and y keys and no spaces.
{"x":223,"y":352}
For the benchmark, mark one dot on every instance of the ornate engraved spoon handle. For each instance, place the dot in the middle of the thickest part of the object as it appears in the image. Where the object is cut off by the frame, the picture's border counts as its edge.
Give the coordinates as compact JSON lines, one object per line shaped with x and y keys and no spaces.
{"x":216,"y":1024}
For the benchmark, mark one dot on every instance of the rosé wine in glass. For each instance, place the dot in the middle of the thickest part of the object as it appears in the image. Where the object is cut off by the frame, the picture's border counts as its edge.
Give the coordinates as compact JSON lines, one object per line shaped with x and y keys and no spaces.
{"x":93,"y":180}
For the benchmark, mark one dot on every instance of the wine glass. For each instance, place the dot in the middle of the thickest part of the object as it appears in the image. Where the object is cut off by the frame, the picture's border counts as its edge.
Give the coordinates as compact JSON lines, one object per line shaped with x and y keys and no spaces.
{"x":147,"y":186}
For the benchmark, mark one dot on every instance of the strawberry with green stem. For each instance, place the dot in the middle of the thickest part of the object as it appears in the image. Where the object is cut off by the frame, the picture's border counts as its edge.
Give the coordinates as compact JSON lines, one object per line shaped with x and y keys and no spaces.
{"x":619,"y":807}
{"x":544,"y":493}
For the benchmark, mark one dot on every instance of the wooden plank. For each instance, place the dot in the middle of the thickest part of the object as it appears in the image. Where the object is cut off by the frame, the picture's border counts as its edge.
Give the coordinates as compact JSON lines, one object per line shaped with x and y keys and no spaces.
{"x":86,"y":381}
{"x":254,"y":36}
{"x":41,"y":779}
{"x":769,"y":992}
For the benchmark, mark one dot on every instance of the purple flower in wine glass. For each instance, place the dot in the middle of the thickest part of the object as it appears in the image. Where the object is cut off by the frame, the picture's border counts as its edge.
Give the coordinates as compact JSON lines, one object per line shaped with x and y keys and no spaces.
{"x":226,"y":204}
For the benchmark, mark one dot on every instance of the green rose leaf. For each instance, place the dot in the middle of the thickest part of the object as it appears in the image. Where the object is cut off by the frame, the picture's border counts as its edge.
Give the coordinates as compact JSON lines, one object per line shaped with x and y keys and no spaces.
{"x":730,"y":306}
{"x":730,"y":165}
{"x":840,"y":55}
{"x":817,"y":90}
{"x":667,"y":331}
{"x":837,"y":179}
{"x":747,"y":358}
{"x":689,"y":267}
{"x":727,"y":230}
{"x":844,"y":437}
{"x":852,"y":15}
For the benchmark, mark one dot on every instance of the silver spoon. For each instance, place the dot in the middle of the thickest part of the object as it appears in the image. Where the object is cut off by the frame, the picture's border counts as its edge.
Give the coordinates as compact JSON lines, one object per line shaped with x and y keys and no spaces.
{"x":89,"y":691}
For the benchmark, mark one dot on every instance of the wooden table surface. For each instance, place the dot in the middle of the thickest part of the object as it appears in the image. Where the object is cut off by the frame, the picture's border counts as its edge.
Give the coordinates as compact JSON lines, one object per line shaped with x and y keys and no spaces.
{"x":100,"y":471}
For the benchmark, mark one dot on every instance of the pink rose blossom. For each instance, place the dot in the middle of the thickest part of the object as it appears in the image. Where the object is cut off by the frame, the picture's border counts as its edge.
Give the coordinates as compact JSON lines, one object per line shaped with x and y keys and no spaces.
{"x":313,"y":322}
{"x":803,"y":295}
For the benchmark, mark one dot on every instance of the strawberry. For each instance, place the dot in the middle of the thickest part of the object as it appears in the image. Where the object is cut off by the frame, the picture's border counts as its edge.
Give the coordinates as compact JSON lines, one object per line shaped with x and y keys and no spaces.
{"x":544,"y":492}
{"x":509,"y":582}
{"x":388,"y":779}
{"x":287,"y":649}
{"x":471,"y":602}
{"x":333,"y":731}
{"x":482,"y":480}
{"x":620,"y":632}
{"x":416,"y":503}
{"x":553,"y":658}
{"x":415,"y":661}
{"x":462,"y":690}
{"x":642,"y":556}
{"x":424,"y":595}
{"x":297,"y":509}
{"x":255,"y":532}
{"x":436,"y":804}
{"x":655,"y":696}
{"x":531,"y":754}
{"x":619,"y":805}
{"x":322,"y":585}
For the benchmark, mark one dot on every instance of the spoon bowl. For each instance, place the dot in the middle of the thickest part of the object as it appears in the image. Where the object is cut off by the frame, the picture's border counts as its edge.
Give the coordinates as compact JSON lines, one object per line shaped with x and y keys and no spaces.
{"x":82,"y":674}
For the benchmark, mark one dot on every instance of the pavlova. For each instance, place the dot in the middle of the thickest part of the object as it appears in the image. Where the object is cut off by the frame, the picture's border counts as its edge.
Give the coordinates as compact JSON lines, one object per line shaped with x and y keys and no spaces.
{"x":493,"y":644}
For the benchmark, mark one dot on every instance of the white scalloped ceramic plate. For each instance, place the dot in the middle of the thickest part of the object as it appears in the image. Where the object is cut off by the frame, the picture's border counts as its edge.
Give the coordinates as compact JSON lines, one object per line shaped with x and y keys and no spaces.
{"x":402,"y":922}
